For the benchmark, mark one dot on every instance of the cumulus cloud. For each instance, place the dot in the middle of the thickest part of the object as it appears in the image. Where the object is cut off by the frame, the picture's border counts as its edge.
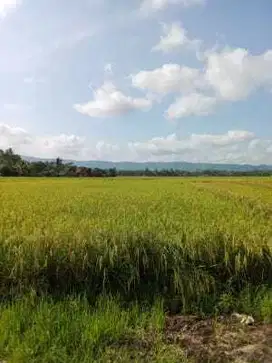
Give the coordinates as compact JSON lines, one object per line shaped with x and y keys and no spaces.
{"x":71,"y":147}
{"x":235,"y":73}
{"x":175,"y":36}
{"x":44,"y":146}
{"x":171,"y":144}
{"x":8,"y":5}
{"x":107,"y":151}
{"x":239,"y":146}
{"x":109,"y":101}
{"x":64,"y":145}
{"x":226,"y":75}
{"x":191,"y":105}
{"x":155,"y":5}
{"x":235,"y":146}
{"x":229,"y":138}
{"x":13,"y":136}
{"x":170,"y":78}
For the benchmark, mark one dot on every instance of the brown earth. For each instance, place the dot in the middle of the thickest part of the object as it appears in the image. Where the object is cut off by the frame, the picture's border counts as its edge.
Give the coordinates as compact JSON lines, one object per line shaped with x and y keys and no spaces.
{"x":220,"y":341}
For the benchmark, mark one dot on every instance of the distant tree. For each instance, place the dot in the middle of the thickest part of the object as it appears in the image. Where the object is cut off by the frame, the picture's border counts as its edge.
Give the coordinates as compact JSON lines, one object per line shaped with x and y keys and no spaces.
{"x":112,"y":172}
{"x":58,"y":166}
{"x":11,"y":164}
{"x":59,"y":162}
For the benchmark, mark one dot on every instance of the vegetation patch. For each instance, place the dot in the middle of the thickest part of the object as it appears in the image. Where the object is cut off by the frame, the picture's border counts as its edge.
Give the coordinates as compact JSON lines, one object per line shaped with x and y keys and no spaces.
{"x":64,"y":243}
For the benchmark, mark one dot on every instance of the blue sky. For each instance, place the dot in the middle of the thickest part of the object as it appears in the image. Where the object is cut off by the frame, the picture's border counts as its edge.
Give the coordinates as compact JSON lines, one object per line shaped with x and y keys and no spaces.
{"x":137,"y":80}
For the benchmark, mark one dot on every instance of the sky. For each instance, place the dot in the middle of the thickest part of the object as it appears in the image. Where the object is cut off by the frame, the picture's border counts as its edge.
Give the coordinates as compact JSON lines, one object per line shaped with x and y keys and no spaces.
{"x":137,"y":80}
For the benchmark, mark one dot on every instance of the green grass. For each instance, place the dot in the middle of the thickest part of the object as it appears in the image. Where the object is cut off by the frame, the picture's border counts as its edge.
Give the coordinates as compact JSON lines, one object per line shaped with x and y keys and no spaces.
{"x":201,"y":249}
{"x":35,"y":329}
{"x":73,"y":331}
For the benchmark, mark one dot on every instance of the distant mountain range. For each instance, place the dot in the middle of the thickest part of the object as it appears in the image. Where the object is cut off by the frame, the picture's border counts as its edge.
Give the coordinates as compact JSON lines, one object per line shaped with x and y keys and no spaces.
{"x":177,"y":165}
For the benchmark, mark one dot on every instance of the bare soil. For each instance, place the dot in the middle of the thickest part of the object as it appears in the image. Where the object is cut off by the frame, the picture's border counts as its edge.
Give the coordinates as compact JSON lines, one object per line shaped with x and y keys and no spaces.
{"x":220,"y":341}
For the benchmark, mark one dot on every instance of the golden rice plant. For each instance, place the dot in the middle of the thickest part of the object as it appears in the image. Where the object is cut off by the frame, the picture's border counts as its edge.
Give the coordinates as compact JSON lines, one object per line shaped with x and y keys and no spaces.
{"x":134,"y":237}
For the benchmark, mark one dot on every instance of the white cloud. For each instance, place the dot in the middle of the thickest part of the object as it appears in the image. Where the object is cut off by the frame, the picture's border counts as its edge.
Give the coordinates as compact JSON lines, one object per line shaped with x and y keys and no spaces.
{"x":235,"y":73}
{"x":109,"y":101}
{"x":62,"y":145}
{"x":192,"y":104}
{"x":227,"y":75}
{"x":170,"y":78}
{"x":232,"y":147}
{"x":155,"y":5}
{"x":13,"y":136}
{"x":171,"y":144}
{"x":229,"y":138}
{"x":175,"y":36}
{"x":237,"y":146}
{"x":107,"y":151}
{"x":50,"y":146}
{"x":8,"y":5}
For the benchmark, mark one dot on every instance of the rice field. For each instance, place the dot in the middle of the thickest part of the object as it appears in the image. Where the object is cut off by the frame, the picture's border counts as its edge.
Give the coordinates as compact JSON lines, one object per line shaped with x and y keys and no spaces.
{"x":196,"y":244}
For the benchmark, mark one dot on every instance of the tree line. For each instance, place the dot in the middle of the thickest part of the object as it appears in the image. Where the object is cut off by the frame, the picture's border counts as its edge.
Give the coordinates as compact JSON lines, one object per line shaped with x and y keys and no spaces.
{"x":12,"y":164}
